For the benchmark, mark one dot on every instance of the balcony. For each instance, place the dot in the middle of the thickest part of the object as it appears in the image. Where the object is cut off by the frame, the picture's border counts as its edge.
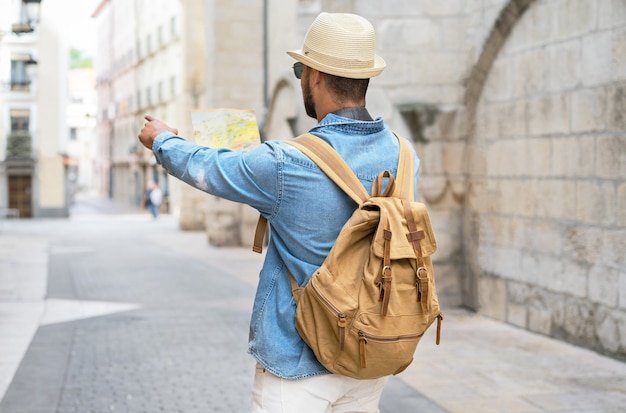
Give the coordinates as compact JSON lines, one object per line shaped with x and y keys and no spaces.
{"x":19,"y":145}
{"x":19,"y":86}
{"x":29,"y":19}
{"x":22,"y":28}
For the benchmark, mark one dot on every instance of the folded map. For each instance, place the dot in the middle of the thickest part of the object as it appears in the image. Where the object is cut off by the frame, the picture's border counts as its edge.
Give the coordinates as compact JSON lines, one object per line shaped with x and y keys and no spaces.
{"x":225,"y":128}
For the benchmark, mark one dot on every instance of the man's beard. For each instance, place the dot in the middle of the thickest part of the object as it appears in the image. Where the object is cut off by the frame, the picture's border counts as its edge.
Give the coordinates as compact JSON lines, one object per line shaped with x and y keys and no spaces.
{"x":309,"y":106}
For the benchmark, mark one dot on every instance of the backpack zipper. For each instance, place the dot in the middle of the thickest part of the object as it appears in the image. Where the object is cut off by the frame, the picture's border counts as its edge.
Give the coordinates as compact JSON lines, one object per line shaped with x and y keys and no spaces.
{"x":363,"y":338}
{"x":341,"y":317}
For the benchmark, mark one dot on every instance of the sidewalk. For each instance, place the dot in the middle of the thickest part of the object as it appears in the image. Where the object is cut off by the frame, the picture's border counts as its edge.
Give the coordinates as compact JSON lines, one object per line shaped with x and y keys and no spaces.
{"x":481,"y":365}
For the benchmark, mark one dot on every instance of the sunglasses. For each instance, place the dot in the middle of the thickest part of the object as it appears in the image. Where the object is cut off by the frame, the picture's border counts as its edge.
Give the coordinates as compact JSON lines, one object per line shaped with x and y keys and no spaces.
{"x":297,"y":70}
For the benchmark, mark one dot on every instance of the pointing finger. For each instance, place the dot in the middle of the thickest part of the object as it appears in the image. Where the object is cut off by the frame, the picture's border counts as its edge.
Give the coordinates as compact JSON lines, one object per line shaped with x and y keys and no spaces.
{"x":148,"y":118}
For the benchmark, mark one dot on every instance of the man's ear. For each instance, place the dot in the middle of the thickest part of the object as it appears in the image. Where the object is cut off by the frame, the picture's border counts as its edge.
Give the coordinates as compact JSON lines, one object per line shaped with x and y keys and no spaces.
{"x":315,"y":77}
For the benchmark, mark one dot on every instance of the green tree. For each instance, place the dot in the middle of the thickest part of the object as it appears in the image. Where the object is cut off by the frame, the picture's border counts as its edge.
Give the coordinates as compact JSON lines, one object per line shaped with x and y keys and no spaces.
{"x":78,"y":60}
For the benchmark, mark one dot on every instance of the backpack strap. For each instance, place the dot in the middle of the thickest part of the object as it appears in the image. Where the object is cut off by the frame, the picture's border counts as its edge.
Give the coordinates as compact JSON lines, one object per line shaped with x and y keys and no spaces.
{"x":405,"y":177}
{"x":333,"y":165}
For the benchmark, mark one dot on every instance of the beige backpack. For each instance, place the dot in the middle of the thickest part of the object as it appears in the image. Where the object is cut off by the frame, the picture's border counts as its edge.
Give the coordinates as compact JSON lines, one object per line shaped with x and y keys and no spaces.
{"x":366,"y":308}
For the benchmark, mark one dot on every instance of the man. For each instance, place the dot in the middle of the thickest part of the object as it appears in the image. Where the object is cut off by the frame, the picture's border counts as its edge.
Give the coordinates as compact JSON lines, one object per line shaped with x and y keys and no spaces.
{"x":305,"y":208}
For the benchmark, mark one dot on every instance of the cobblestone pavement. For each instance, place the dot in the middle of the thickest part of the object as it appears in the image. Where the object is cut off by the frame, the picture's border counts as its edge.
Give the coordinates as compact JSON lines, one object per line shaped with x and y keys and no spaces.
{"x":134,"y":315}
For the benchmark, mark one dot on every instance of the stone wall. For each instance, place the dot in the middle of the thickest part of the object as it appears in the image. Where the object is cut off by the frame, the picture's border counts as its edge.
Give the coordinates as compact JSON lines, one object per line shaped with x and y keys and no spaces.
{"x":550,"y":176}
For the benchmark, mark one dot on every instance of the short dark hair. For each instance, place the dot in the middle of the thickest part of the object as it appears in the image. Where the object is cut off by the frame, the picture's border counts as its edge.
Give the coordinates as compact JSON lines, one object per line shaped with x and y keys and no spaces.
{"x":344,"y":89}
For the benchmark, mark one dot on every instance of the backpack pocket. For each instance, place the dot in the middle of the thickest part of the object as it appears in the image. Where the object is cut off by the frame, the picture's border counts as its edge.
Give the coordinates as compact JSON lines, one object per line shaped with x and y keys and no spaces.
{"x":371,"y":353}
{"x":321,"y":322}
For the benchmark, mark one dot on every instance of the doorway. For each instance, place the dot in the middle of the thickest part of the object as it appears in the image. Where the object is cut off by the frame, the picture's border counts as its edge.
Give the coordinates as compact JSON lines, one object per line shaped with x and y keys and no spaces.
{"x":20,"y":194}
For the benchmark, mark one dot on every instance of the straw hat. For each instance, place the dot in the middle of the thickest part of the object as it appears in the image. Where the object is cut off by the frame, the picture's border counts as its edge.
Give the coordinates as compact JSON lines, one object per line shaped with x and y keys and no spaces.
{"x":342,"y":45}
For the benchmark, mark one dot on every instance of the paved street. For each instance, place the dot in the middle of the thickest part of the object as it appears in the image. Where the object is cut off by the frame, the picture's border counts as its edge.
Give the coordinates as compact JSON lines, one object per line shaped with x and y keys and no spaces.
{"x":111,"y":311}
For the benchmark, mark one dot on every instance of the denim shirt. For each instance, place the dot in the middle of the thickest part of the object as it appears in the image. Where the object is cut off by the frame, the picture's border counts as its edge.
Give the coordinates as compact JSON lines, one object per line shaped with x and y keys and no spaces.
{"x":306,"y":211}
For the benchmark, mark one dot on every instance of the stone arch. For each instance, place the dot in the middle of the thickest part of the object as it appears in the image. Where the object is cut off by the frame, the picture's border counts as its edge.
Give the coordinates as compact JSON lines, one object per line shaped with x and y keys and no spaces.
{"x":508,"y":17}
{"x":283,"y":112}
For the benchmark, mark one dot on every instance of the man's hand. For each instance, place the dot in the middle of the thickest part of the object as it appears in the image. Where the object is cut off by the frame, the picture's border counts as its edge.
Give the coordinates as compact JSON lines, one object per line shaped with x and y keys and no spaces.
{"x":152,"y":129}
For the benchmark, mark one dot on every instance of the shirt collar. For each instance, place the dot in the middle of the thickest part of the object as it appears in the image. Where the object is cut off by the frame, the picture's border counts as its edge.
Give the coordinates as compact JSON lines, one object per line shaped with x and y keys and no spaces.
{"x":359,"y":113}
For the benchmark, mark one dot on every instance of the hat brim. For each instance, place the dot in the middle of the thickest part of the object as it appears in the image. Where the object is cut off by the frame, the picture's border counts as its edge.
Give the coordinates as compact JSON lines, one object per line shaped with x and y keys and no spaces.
{"x":351,"y":73}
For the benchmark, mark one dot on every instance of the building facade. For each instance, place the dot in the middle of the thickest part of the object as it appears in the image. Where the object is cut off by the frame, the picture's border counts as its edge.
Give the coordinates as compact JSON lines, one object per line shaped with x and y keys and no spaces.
{"x":516,"y":108}
{"x":138,"y":72}
{"x":32,"y":122}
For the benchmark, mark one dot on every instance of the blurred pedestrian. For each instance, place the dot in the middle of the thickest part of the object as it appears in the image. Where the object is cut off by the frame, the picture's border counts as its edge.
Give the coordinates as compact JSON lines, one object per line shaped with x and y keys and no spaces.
{"x":305,"y":208}
{"x":155,"y":198}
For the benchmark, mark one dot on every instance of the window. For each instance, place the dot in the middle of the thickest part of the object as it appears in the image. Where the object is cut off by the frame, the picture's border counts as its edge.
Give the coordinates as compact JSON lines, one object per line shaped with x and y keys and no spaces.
{"x":173,"y":28}
{"x":73,"y":134}
{"x":160,"y":36}
{"x":20,"y":119}
{"x":172,"y":86}
{"x":19,"y":77}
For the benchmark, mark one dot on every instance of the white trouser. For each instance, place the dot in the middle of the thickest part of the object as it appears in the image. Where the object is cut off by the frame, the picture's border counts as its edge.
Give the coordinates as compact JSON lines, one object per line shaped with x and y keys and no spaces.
{"x":318,"y":394}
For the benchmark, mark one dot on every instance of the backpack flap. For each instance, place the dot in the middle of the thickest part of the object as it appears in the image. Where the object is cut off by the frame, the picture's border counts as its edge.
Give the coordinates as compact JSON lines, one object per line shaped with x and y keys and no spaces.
{"x":392,"y":218}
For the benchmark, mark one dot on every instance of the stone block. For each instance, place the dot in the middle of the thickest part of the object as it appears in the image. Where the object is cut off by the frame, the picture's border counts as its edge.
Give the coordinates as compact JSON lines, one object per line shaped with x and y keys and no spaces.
{"x":408,"y":34}
{"x":583,"y":243}
{"x":535,"y":28}
{"x":520,"y":293}
{"x":587,"y":164}
{"x":607,"y":328}
{"x":620,"y":216}
{"x":492,"y":297}
{"x":611,"y":156}
{"x":596,"y":59}
{"x":454,"y":33}
{"x":517,"y":232}
{"x":556,"y":199}
{"x":613,"y":247}
{"x":507,"y":262}
{"x":537,"y":267}
{"x":596,"y":202}
{"x":396,"y":73}
{"x":578,"y":320}
{"x":548,"y":272}
{"x":617,"y":107}
{"x":611,"y":13}
{"x":401,"y":8}
{"x":539,"y":320}
{"x":589,"y":110}
{"x":440,"y":67}
{"x":517,"y":314}
{"x":529,"y":73}
{"x":567,"y":277}
{"x":575,"y":18}
{"x":622,"y":290}
{"x":618,"y":43}
{"x":603,"y":285}
{"x":438,"y":8}
{"x":518,"y":197}
{"x":549,"y":115}
{"x":543,"y":235}
{"x":566,"y":157}
{"x":539,"y":158}
{"x":563,"y":70}
{"x":512,"y":120}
